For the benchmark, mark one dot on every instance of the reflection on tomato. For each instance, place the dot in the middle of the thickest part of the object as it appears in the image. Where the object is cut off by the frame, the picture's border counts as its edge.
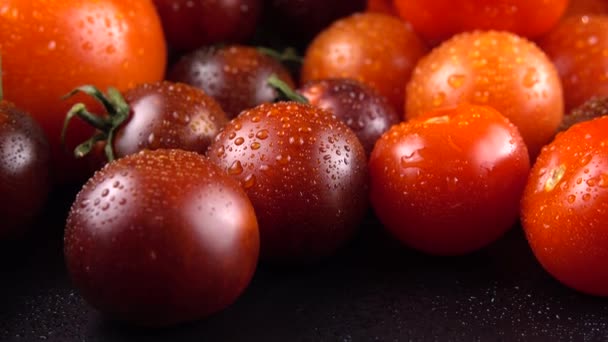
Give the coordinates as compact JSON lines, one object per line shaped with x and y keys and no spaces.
{"x":449,"y":182}
{"x":565,"y":207}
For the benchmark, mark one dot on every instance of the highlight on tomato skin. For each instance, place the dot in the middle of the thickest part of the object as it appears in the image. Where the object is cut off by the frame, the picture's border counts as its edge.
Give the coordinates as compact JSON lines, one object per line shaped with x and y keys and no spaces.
{"x":160,"y":238}
{"x":494,"y":68}
{"x":564,"y":209}
{"x":449,"y":182}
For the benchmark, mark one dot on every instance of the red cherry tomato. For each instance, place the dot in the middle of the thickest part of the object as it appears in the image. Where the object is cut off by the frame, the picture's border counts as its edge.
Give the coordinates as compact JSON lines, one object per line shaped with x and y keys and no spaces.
{"x":441,"y":19}
{"x":586,"y":7}
{"x":236,"y":76}
{"x":190,"y":24}
{"x":152,"y":116}
{"x":376,"y":49}
{"x":497,"y":69}
{"x":305,"y":172}
{"x":24,"y":170}
{"x":365,"y":111}
{"x":161,"y":237}
{"x":449,"y":182}
{"x":381,"y":6}
{"x":578,"y":48}
{"x":50,"y":47}
{"x":565,"y":207}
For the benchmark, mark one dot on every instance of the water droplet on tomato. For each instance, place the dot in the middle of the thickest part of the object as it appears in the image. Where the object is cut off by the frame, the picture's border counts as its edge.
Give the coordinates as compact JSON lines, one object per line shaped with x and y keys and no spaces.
{"x":236,"y":168}
{"x":456,"y":80}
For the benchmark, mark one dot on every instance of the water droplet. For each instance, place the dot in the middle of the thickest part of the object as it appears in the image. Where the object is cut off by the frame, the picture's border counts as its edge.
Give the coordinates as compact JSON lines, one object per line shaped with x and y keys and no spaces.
{"x":439,"y":99}
{"x":456,"y":80}
{"x":249,"y":181}
{"x":530,"y":78}
{"x":105,"y":192}
{"x":262,"y":135}
{"x":255,"y":145}
{"x":239,"y":141}
{"x":571,"y":199}
{"x":236,"y":168}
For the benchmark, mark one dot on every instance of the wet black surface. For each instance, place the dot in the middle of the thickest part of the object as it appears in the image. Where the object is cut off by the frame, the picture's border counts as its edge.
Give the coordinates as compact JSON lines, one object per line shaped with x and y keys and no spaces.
{"x":373,"y":290}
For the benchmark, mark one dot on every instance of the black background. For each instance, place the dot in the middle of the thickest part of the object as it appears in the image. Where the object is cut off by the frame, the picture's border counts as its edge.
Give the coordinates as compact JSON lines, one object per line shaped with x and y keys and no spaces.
{"x":373,"y":290}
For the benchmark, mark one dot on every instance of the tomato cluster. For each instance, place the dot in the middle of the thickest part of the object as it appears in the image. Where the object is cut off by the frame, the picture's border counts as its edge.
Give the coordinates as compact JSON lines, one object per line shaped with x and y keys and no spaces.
{"x":202,"y":160}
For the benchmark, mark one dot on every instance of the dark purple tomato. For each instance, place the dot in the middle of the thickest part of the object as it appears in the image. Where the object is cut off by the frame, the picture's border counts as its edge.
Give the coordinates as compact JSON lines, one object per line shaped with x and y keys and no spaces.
{"x":305,"y":172}
{"x":362,"y":108}
{"x":163,"y":115}
{"x":306,"y":18}
{"x":190,"y":24}
{"x":24,"y":170}
{"x":236,"y":76}
{"x":161,"y":237}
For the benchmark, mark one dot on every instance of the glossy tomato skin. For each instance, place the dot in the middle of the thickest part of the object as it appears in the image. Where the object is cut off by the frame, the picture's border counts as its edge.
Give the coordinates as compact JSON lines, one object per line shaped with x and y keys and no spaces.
{"x":365,"y":111}
{"x":306,"y":18}
{"x":565,"y":207}
{"x":441,"y":19}
{"x":577,"y":47}
{"x":169,"y":115}
{"x":24,"y":170}
{"x":450,"y":182}
{"x":586,"y":7}
{"x":235,"y":75}
{"x":189,"y":24}
{"x":106,"y":43}
{"x":376,"y":49}
{"x":305,"y":172}
{"x":492,"y":68}
{"x":163,"y":115}
{"x":381,"y":6}
{"x":148,"y":241}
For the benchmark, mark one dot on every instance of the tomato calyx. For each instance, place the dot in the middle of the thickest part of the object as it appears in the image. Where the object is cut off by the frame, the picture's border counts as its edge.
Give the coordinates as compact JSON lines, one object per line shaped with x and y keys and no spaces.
{"x":289,"y":55}
{"x":591,"y":109}
{"x":117,"y":111}
{"x":285,"y":91}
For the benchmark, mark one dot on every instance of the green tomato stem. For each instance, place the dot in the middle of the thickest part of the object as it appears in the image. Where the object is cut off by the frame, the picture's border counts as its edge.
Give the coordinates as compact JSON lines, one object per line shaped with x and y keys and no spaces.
{"x":285,"y":90}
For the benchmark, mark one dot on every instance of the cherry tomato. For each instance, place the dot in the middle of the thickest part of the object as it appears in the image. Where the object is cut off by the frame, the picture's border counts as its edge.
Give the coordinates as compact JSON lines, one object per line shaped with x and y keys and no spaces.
{"x":565,"y":207}
{"x":492,"y":68}
{"x":365,"y":111}
{"x":305,"y":172}
{"x":191,"y":24}
{"x":578,"y":48}
{"x":376,"y":49}
{"x":49,"y":47}
{"x":306,"y":18}
{"x":161,"y":237}
{"x":441,"y":19}
{"x":236,"y":76}
{"x":24,"y":170}
{"x":156,"y":115}
{"x":449,"y":182}
{"x":381,"y":6}
{"x":586,"y":7}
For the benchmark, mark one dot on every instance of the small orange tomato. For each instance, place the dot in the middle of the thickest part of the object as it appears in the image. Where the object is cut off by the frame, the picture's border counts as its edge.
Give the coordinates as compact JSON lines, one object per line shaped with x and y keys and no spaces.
{"x":376,"y":49}
{"x":497,"y":69}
